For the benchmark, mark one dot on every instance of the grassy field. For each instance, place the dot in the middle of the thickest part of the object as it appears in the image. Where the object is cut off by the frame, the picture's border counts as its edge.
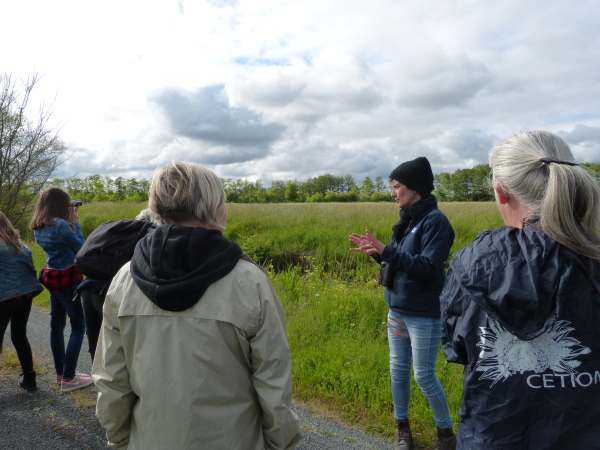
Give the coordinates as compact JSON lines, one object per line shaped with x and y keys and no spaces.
{"x":336,"y":312}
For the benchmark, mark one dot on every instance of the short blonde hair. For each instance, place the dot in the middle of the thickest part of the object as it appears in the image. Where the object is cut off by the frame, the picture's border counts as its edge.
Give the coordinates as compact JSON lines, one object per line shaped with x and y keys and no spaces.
{"x":182,"y":190}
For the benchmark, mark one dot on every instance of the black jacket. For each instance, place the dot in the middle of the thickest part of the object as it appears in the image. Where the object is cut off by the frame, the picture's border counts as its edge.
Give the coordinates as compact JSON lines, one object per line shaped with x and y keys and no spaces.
{"x":525,"y":322}
{"x":418,"y":252}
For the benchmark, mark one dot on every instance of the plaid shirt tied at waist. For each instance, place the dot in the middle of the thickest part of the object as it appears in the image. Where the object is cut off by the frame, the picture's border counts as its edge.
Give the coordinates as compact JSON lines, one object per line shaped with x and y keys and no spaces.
{"x":59,"y":280}
{"x":27,"y":296}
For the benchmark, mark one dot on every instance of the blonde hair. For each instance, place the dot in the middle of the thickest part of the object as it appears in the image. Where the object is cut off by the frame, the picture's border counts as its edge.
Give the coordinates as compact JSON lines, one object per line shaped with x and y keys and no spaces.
{"x":145,"y":214}
{"x":52,"y":202}
{"x":564,"y":198}
{"x":183,"y":190}
{"x":9,"y":235}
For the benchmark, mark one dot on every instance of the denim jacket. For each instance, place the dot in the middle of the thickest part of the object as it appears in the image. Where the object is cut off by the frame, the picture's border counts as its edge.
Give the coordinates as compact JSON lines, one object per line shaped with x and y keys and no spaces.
{"x":60,"y":243}
{"x":17,"y":273}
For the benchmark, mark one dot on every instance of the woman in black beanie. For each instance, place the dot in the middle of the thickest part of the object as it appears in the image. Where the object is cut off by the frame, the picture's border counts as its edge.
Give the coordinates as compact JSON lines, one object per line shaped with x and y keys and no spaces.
{"x":413,"y":273}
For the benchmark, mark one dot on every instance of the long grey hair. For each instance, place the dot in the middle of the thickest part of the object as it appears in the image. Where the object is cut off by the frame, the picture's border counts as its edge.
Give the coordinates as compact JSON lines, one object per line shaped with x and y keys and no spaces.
{"x":563,"y":197}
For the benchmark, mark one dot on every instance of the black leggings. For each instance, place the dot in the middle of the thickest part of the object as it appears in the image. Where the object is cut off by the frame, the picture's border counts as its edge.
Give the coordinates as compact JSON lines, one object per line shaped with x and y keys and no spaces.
{"x":17,"y":313}
{"x":92,"y":309}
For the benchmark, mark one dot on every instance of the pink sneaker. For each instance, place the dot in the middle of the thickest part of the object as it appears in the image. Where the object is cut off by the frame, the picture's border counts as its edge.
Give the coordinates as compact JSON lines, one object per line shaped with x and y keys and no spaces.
{"x":81,"y":380}
{"x":59,"y":377}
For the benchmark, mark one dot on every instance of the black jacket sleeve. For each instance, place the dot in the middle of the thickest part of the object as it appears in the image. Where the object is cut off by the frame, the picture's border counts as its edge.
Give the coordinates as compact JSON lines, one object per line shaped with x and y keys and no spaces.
{"x":452,"y":303}
{"x":436,"y":242}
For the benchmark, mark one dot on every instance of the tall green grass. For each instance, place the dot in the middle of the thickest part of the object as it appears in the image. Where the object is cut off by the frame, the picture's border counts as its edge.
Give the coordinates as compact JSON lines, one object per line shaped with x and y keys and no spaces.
{"x":336,"y":312}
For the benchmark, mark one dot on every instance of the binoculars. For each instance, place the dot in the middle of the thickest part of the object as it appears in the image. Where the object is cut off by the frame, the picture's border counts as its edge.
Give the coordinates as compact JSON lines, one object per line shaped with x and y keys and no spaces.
{"x":386,"y":275}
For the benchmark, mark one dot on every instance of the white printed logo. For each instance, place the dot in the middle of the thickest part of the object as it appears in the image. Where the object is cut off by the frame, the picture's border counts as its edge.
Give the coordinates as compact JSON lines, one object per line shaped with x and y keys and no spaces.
{"x":503,"y":354}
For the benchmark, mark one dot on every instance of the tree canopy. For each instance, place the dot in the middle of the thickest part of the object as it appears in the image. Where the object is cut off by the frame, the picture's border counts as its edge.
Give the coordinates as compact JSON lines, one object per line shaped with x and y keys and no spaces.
{"x":30,"y":150}
{"x":463,"y":185}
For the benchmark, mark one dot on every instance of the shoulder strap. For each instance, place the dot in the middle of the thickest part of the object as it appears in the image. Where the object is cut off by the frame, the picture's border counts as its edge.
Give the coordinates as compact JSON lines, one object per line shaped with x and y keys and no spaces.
{"x":571,"y":256}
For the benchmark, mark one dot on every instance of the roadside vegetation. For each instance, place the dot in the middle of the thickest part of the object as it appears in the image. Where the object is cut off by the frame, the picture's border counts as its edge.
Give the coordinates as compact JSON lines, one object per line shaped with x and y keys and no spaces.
{"x":335,"y":308}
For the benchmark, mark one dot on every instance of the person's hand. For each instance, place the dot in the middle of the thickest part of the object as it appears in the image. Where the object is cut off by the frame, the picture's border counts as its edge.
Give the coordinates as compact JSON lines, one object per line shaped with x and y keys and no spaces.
{"x":73,"y":214}
{"x":366,"y":244}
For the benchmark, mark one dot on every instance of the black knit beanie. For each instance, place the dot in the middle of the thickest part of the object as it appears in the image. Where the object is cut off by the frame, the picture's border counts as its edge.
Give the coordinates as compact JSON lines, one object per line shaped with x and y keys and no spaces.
{"x":415,"y":175}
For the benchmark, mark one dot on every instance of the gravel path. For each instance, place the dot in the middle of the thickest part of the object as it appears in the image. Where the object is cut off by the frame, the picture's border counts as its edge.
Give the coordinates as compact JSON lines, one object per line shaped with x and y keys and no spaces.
{"x":46,"y":419}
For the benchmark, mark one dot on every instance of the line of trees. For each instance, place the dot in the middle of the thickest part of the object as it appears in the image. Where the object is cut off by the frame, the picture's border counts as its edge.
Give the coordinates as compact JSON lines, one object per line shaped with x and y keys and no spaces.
{"x":462,"y":185}
{"x":324,"y":188}
{"x":473,"y":185}
{"x":96,"y":188}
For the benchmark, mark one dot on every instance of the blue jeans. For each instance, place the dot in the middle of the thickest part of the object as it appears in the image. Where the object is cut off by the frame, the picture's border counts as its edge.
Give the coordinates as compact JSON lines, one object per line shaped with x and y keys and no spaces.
{"x":61,"y":304}
{"x":417,"y":339}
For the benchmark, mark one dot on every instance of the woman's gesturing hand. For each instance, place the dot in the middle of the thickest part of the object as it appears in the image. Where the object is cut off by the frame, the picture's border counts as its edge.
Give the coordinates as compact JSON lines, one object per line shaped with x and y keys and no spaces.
{"x":366,"y":244}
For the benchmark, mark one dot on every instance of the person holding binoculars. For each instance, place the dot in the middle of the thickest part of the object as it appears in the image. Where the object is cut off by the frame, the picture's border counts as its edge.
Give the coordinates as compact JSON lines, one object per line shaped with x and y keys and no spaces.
{"x":55,"y":224}
{"x":413,"y":273}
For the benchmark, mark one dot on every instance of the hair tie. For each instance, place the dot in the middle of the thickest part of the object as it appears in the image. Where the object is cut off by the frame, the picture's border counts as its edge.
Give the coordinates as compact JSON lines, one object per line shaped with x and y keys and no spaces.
{"x":549,"y":160}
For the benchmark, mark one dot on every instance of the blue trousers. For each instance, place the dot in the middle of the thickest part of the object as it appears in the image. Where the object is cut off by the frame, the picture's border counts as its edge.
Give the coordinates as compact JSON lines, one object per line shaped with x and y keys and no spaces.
{"x":62,"y":304}
{"x":416,"y":339}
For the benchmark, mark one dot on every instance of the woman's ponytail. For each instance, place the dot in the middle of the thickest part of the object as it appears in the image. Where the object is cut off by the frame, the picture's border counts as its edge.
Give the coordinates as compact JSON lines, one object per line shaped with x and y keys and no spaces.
{"x":537,"y":168}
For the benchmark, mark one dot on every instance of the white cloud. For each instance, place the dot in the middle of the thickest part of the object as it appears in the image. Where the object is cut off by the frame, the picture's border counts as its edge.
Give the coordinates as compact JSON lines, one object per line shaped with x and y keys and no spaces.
{"x":282,"y":90}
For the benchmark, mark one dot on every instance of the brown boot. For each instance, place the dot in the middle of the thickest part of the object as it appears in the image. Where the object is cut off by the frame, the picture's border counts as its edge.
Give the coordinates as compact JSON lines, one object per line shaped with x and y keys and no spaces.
{"x":446,"y":439}
{"x":403,"y":435}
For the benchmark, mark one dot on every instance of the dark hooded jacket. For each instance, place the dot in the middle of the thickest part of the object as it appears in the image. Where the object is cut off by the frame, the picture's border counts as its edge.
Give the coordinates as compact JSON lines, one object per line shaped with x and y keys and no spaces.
{"x":419,"y":248}
{"x":524,"y":320}
{"x":170,"y":275}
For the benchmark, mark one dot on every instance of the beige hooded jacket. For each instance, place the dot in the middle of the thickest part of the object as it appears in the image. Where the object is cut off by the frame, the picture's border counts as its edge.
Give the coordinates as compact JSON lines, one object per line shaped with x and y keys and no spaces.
{"x":214,"y":376}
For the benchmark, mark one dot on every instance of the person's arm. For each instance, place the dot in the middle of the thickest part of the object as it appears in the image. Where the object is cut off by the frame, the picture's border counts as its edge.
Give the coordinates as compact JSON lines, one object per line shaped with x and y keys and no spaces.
{"x":452,"y":303}
{"x":111,"y":377}
{"x":271,"y":362}
{"x":73,"y":239}
{"x":29,"y":253}
{"x":436,"y":241}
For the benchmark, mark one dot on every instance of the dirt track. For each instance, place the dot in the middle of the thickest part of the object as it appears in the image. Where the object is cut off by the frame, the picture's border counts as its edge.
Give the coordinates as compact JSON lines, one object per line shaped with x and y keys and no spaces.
{"x":46,"y":419}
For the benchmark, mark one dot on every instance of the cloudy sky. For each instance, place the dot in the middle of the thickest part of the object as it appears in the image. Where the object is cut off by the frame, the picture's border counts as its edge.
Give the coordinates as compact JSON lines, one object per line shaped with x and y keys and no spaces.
{"x":276,"y":90}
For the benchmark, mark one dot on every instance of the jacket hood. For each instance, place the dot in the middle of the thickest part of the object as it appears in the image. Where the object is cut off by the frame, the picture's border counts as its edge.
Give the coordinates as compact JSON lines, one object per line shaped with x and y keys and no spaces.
{"x":516,"y":276}
{"x":175,"y":265}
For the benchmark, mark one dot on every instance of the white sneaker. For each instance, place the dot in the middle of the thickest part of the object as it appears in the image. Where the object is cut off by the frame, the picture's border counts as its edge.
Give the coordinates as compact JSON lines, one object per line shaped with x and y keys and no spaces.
{"x":81,"y":380}
{"x":77,"y":374}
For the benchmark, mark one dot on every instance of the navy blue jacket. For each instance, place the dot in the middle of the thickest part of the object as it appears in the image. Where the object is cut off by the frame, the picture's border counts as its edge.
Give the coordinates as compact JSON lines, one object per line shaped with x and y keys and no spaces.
{"x":525,"y":322}
{"x":419,"y":261}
